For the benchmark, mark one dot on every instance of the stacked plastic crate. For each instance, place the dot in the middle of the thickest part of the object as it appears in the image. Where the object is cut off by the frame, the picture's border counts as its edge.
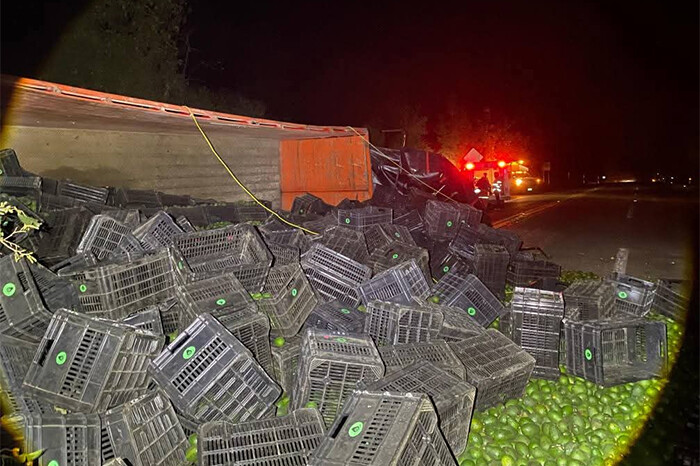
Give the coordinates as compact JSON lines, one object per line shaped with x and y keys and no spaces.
{"x":286,"y":440}
{"x":470,"y":235}
{"x":308,"y":204}
{"x":536,"y":317}
{"x":490,"y":265}
{"x":411,"y":220}
{"x":589,"y":300}
{"x":88,"y":364}
{"x":442,"y":220}
{"x":384,"y":428}
{"x":334,"y":276}
{"x":381,"y":235}
{"x":497,"y":367}
{"x":442,"y":260}
{"x":467,"y":292}
{"x":350,"y":243}
{"x":615,"y":351}
{"x":331,"y":367}
{"x":157,"y":232}
{"x":64,"y":229}
{"x":528,"y":268}
{"x":396,"y":252}
{"x":392,"y":323}
{"x":106,"y":238}
{"x":453,"y":397}
{"x":209,"y":375}
{"x":364,"y":217}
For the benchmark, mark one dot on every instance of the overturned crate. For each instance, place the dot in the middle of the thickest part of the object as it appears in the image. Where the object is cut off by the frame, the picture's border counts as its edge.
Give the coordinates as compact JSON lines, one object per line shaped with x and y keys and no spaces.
{"x":209,"y":375}
{"x":497,"y":367}
{"x":453,"y":397}
{"x":22,"y":311}
{"x":285,"y":361}
{"x":238,"y":249}
{"x":89,"y":364}
{"x":465,"y":291}
{"x":378,"y":428}
{"x":536,"y":317}
{"x":380,"y":235}
{"x":71,"y":439}
{"x":290,"y":300}
{"x":157,"y":232}
{"x":437,"y":352}
{"x":527,"y":268}
{"x":490,"y":265}
{"x":403,"y":283}
{"x":364,"y":217}
{"x":616,"y":351}
{"x":335,"y":316}
{"x":349,"y":243}
{"x":442,"y":220}
{"x":107,"y":238}
{"x":396,"y":252}
{"x":144,"y":431}
{"x":469,"y":236}
{"x":334,"y":276}
{"x":589,"y":300}
{"x":633,"y":296}
{"x":672,"y":297}
{"x":116,"y":290}
{"x":393,"y":323}
{"x":330,"y":368}
{"x":286,"y":440}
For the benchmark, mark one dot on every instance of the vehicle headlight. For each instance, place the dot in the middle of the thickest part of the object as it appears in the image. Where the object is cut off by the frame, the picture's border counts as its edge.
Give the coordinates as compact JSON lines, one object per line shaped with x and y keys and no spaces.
{"x":518,"y":181}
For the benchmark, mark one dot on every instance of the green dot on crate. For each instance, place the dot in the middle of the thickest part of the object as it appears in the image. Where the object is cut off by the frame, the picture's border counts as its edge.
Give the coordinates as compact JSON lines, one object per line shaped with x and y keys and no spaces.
{"x":394,"y":256}
{"x":622,"y":295}
{"x":220,"y":301}
{"x":345,"y":311}
{"x":279,"y":341}
{"x":61,"y":358}
{"x":347,"y":220}
{"x":449,"y":223}
{"x":9,"y":289}
{"x":588,"y":354}
{"x":189,"y":352}
{"x":397,"y":234}
{"x":82,"y":288}
{"x":356,"y":429}
{"x":52,"y":463}
{"x":446,"y":268}
{"x":471,"y":311}
{"x":294,"y":292}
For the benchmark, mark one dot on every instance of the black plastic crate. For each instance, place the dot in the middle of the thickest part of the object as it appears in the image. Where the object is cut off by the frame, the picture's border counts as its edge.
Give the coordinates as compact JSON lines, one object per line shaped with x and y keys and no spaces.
{"x":56,"y":292}
{"x":437,"y":351}
{"x":403,"y":283}
{"x":82,"y":193}
{"x":9,"y":164}
{"x":335,"y":316}
{"x":396,"y":252}
{"x":308,"y":204}
{"x":283,"y":441}
{"x":380,"y":235}
{"x":467,"y":292}
{"x":124,"y":197}
{"x":283,"y":254}
{"x":148,"y":319}
{"x":633,"y":296}
{"x":107,"y":238}
{"x":350,"y":243}
{"x":209,"y":375}
{"x":527,"y":268}
{"x":145,"y":431}
{"x":196,"y":215}
{"x":174,"y":199}
{"x":21,"y":186}
{"x":252,"y":328}
{"x":285,"y":361}
{"x":615,"y":351}
{"x":22,"y":311}
{"x":589,"y":300}
{"x":50,"y":202}
{"x":672,"y":297}
{"x":536,"y":328}
{"x":383,"y":428}
{"x":411,"y":220}
{"x":453,"y":397}
{"x":88,"y":364}
{"x":334,"y":276}
{"x":497,"y":367}
{"x":251,"y":211}
{"x":363,"y":217}
{"x":128,"y":217}
{"x":15,"y":358}
{"x":468,"y":236}
{"x":72,"y":439}
{"x":330,"y":367}
{"x":170,"y":315}
{"x":319,"y":224}
{"x":457,"y":324}
{"x":217,"y":295}
{"x":157,"y":232}
{"x":184,"y":224}
{"x":238,"y":249}
{"x":393,"y":324}
{"x":116,"y":290}
{"x":442,"y":220}
{"x":490,"y":265}
{"x":290,"y":300}
{"x":61,"y":234}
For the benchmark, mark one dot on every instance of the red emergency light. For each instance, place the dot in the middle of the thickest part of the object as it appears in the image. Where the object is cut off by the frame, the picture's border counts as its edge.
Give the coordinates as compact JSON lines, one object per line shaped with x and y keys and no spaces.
{"x":469,"y":166}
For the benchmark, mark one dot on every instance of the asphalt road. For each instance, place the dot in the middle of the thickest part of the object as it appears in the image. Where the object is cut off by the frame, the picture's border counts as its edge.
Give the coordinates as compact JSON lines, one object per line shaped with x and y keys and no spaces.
{"x":582,"y":230}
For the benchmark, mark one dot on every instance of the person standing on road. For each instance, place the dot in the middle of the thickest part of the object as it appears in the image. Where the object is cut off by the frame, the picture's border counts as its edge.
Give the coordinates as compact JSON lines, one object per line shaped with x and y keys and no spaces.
{"x":484,"y":185}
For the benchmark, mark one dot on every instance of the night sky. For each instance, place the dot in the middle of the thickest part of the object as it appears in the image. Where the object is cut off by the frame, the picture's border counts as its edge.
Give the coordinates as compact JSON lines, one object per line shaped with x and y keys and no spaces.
{"x":594,"y":84}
